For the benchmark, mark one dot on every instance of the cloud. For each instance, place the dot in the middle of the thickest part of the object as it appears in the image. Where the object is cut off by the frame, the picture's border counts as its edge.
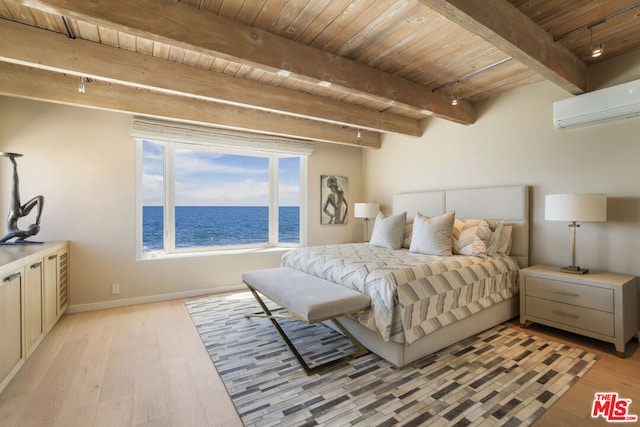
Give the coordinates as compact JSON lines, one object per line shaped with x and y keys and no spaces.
{"x":153,"y":189}
{"x":238,"y":193}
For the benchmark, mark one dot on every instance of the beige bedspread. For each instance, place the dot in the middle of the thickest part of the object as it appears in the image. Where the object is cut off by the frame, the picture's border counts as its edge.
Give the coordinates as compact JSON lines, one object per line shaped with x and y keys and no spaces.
{"x":412,"y":294}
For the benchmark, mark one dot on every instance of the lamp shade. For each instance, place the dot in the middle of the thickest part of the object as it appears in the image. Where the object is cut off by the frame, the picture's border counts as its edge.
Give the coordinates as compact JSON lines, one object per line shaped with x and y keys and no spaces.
{"x":366,"y":210}
{"x":575,"y":207}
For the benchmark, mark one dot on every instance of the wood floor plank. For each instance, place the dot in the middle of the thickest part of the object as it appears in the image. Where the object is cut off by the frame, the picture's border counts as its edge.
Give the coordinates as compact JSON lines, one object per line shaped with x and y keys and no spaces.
{"x":146,"y":365}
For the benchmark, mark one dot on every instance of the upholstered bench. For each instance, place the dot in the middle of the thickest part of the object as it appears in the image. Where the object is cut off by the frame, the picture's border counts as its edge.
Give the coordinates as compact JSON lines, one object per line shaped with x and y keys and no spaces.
{"x":309,"y":299}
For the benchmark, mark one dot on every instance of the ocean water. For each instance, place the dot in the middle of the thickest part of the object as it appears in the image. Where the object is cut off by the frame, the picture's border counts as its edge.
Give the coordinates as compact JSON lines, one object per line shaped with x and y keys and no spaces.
{"x":201,"y":226}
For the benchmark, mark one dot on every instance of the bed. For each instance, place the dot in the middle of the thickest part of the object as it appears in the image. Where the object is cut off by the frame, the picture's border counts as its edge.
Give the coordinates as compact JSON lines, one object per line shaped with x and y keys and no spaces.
{"x":423,"y":303}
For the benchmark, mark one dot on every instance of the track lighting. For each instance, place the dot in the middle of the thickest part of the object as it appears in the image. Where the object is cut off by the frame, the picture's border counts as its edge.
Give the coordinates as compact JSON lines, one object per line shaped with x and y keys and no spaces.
{"x":454,"y":100}
{"x":596,"y":49}
{"x":359,"y":134}
{"x":81,"y":85}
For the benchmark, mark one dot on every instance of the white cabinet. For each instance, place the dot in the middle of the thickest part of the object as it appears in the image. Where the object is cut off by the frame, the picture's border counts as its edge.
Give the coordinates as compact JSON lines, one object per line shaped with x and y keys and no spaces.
{"x":34,"y":293}
{"x":33,"y":305}
{"x":598,"y":305}
{"x":11,"y":296}
{"x":55,"y":287}
{"x":50,"y":291}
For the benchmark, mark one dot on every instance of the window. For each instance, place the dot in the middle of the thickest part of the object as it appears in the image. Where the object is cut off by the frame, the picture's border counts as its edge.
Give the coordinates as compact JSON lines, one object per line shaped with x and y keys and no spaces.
{"x":204,"y":197}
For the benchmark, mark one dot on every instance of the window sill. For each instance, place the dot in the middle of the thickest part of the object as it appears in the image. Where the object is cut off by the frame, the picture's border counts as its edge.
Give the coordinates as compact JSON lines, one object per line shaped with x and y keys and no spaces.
{"x":208,"y":253}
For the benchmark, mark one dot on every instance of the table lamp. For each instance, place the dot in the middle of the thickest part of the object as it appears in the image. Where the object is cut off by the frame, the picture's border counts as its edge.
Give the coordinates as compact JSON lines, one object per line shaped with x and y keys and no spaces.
{"x":575,"y":208}
{"x":366,"y":211}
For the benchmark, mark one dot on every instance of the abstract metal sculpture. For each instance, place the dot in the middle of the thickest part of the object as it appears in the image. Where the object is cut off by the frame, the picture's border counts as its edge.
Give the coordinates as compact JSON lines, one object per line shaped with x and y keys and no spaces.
{"x":19,"y":210}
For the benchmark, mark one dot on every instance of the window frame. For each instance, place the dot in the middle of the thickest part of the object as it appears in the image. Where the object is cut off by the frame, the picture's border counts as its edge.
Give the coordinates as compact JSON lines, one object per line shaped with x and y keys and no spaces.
{"x":169,"y":249}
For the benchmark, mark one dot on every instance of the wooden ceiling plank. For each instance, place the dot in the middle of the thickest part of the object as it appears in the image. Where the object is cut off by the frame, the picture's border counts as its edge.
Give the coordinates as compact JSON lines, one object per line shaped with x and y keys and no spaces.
{"x":127,"y":41}
{"x":249,"y":11}
{"x":505,"y":27}
{"x":184,"y":26}
{"x":144,"y":46}
{"x":108,"y":36}
{"x":25,"y":82}
{"x":48,"y":21}
{"x":41,"y":49}
{"x":4,"y":11}
{"x":88,"y":31}
{"x":331,"y":11}
{"x":20,"y":13}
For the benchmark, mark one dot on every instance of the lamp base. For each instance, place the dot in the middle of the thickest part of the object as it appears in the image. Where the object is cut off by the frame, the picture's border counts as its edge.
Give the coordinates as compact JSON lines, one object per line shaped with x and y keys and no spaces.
{"x":574,"y":269}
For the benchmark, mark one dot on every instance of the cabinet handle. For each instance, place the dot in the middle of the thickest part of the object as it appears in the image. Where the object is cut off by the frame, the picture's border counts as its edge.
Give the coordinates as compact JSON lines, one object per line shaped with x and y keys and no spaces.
{"x":14,"y":276}
{"x":563,"y":314}
{"x":569,"y":294}
{"x":53,"y":256}
{"x":36,"y":265}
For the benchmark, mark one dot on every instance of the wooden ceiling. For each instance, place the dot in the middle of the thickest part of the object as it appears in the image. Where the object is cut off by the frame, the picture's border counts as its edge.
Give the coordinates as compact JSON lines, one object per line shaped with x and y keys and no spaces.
{"x":341,"y":71}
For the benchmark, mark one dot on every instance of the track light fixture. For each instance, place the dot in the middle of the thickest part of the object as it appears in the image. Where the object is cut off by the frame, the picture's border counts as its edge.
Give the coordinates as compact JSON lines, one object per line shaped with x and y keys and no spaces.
{"x":596,"y":49}
{"x":454,"y":100}
{"x":81,"y":85}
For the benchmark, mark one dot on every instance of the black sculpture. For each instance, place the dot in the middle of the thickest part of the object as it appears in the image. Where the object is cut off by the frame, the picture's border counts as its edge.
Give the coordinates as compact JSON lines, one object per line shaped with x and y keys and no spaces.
{"x":19,"y":210}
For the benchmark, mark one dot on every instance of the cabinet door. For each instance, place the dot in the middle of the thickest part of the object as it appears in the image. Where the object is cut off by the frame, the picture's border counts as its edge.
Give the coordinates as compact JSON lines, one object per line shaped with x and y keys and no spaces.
{"x":50,"y":287}
{"x":33,"y":305}
{"x":63,"y":281}
{"x":10,"y":322}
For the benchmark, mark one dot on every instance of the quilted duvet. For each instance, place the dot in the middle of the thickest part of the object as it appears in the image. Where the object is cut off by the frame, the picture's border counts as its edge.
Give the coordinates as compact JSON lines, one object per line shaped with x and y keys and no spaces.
{"x":411,"y":294}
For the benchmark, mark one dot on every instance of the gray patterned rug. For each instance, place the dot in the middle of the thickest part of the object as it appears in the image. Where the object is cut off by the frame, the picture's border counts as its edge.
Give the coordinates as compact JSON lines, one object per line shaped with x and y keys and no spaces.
{"x":499,"y":377}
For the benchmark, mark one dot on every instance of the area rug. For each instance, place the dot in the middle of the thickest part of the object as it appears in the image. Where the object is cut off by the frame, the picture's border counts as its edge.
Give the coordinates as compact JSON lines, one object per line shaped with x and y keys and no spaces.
{"x":499,"y":377}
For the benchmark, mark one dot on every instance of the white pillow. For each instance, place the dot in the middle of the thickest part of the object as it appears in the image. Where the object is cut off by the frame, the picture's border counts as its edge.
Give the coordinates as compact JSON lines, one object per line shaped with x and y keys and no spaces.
{"x":432,"y":236}
{"x":388,"y":231}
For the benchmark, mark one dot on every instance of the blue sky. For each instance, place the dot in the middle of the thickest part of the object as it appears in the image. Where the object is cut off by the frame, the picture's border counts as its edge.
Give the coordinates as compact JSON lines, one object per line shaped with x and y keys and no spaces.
{"x":214,"y":179}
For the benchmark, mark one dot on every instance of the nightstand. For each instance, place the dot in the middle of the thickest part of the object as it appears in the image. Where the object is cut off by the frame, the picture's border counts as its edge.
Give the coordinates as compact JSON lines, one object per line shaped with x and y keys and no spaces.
{"x":598,"y":305}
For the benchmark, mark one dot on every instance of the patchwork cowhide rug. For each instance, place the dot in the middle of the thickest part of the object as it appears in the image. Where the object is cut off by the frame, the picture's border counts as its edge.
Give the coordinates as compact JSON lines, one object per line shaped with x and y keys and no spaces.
{"x":499,"y":377}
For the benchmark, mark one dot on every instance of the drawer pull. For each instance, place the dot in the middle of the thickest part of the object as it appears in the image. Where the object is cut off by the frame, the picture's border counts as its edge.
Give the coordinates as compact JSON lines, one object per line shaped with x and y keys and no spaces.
{"x":53,"y":256}
{"x":569,"y":294}
{"x":563,"y":314}
{"x":36,"y":265}
{"x":14,"y":276}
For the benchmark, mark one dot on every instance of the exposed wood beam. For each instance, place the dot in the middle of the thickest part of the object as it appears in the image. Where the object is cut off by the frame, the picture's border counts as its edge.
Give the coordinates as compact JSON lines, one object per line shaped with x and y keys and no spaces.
{"x":187,"y":27}
{"x":21,"y":44}
{"x":26,"y":82}
{"x":509,"y":30}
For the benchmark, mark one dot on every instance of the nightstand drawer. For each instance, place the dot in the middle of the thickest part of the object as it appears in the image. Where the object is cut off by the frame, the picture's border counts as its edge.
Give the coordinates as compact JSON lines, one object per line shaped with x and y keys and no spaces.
{"x":599,"y":322}
{"x":570,"y":293}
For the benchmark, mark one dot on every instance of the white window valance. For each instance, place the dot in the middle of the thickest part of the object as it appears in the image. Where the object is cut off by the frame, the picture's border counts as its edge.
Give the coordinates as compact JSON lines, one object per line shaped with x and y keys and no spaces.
{"x":161,"y":130}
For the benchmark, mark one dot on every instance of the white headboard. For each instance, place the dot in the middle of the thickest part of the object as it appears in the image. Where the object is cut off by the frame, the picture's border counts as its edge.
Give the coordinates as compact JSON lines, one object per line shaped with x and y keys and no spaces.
{"x":509,"y":204}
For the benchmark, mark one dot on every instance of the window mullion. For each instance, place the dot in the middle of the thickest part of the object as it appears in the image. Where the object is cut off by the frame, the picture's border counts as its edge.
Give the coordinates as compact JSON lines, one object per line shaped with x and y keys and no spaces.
{"x":169,"y":199}
{"x":303,"y":200}
{"x":273,"y":200}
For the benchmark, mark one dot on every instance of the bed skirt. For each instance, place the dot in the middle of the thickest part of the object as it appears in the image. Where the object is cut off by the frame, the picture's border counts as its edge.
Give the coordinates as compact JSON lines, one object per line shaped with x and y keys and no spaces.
{"x":400,"y":354}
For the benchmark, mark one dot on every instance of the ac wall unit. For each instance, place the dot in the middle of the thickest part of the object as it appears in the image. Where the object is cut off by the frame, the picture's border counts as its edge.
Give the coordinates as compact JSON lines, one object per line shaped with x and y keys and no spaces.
{"x":614,"y":102}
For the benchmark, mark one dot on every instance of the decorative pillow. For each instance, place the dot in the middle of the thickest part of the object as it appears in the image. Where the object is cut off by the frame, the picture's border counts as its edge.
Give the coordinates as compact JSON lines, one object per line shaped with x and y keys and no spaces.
{"x":432,"y":236}
{"x":471,"y":237}
{"x":504,"y":245}
{"x":496,"y":231}
{"x":408,"y":231}
{"x":388,"y":231}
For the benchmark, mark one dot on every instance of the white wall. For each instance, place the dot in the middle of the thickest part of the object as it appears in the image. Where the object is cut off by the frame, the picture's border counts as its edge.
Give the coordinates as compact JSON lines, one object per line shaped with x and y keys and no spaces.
{"x":83,"y":162}
{"x":514,"y":142}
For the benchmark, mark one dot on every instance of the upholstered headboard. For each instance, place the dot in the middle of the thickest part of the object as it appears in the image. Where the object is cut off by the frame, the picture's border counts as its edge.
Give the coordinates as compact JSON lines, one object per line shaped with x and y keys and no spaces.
{"x":509,"y":204}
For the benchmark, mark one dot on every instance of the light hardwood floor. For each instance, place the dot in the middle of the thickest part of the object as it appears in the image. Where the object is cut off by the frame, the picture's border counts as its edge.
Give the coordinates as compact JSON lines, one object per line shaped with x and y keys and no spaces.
{"x":146,"y":365}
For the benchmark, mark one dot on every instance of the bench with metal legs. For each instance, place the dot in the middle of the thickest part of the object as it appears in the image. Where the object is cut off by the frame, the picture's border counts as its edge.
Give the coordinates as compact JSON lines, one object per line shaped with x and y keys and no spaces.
{"x":309,"y":299}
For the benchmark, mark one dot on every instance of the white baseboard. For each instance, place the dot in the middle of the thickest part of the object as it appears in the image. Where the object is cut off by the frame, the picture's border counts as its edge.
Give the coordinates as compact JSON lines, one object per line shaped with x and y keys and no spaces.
{"x":79,"y":308}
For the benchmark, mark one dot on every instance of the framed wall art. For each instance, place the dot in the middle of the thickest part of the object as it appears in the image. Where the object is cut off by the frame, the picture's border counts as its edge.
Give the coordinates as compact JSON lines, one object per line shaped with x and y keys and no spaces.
{"x":334,"y":194}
